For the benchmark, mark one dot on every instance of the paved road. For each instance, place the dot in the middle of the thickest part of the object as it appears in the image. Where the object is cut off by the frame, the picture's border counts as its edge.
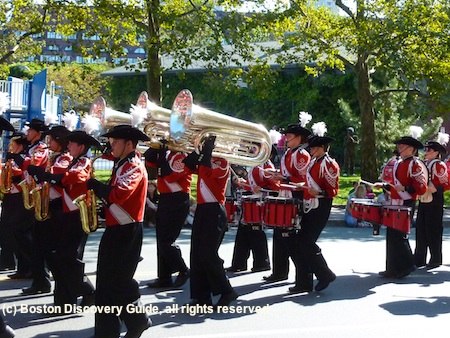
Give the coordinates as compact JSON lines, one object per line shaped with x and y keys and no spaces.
{"x":358,"y":304}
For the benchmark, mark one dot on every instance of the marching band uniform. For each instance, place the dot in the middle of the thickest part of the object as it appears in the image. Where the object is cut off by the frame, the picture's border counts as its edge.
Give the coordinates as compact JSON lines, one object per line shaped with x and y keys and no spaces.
{"x":68,"y":175}
{"x":174,"y":185}
{"x":294,"y":164}
{"x":210,"y":222}
{"x":322,"y":180}
{"x":121,"y":243}
{"x":410,"y":181}
{"x":28,"y":232}
{"x":429,"y":227}
{"x":251,"y":237}
{"x":13,"y":210}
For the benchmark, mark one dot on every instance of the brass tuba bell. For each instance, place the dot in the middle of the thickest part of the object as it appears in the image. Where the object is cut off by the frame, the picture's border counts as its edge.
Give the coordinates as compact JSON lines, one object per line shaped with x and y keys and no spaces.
{"x":238,"y":141}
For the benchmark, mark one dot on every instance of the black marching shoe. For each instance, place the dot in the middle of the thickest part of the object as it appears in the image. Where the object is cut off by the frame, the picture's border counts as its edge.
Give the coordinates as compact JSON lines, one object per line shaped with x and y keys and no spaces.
{"x":261,"y":268}
{"x":200,"y":302}
{"x":299,"y":289}
{"x":405,"y":272}
{"x":160,"y":283}
{"x":227,"y":298}
{"x":34,"y":290}
{"x":323,"y":284}
{"x":386,"y":274}
{"x":273,"y":278}
{"x":19,"y":275}
{"x":432,"y":265}
{"x":182,"y":278}
{"x":234,"y":269}
{"x":137,"y":331}
{"x":8,"y":332}
{"x":88,"y":300}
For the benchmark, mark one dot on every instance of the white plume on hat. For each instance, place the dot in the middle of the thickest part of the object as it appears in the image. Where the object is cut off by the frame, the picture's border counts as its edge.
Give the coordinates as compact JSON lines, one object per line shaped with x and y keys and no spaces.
{"x":4,"y":102}
{"x":275,"y":136}
{"x":90,"y":124}
{"x":319,"y":128}
{"x":415,"y":131}
{"x":50,"y":118}
{"x":25,"y":129}
{"x":442,"y":138}
{"x":304,"y":118}
{"x":70,"y":120}
{"x":138,"y":114}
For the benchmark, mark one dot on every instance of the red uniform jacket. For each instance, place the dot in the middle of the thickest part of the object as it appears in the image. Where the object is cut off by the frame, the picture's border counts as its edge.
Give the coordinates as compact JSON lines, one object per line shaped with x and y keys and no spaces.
{"x":58,"y":164}
{"x":294,"y":164}
{"x":413,"y":175}
{"x":179,"y":179}
{"x":259,"y":178}
{"x":323,"y":175}
{"x":387,"y":172}
{"x":128,"y":191}
{"x":438,"y":175}
{"x":74,"y":181}
{"x":212,"y":182}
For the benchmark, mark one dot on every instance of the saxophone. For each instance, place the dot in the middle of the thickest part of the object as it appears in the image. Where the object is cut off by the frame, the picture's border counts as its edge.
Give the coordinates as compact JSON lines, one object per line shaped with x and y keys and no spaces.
{"x":28,"y":185}
{"x":87,"y":204}
{"x":6,"y":177}
{"x":41,"y":201}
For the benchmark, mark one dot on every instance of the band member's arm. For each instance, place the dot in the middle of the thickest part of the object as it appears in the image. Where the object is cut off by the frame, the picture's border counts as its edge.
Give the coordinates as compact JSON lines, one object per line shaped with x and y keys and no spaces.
{"x":419,"y":180}
{"x":39,"y":157}
{"x":331,"y":179}
{"x":124,"y":187}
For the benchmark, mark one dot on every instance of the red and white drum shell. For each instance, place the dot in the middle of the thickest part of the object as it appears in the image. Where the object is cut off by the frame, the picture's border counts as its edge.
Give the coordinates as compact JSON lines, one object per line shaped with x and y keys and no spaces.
{"x":357,"y":207}
{"x":280,"y":212}
{"x":230,"y":208}
{"x":251,"y":209}
{"x":372,"y":212}
{"x":397,"y":217}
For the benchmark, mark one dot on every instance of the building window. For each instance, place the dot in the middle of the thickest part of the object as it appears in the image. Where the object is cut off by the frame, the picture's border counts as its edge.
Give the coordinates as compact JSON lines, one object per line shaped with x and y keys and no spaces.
{"x":53,"y":47}
{"x":68,"y":48}
{"x":139,"y":51}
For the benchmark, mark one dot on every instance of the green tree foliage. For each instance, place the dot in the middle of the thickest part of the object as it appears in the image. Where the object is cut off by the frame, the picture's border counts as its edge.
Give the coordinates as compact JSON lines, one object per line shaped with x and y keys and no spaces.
{"x":396,"y":38}
{"x":21,"y":22}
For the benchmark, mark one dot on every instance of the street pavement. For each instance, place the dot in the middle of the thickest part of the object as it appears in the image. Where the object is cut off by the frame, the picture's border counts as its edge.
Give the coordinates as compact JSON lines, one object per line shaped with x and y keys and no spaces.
{"x":358,"y":304}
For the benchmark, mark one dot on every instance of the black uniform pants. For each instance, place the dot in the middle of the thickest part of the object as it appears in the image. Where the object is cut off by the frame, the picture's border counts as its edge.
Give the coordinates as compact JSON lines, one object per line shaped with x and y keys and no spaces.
{"x":65,"y":260}
{"x":17,"y":225}
{"x":308,"y":258}
{"x":250,"y":237}
{"x":429,"y":229}
{"x":399,"y":257}
{"x":171,"y":214}
{"x":118,"y":257}
{"x":207,"y":272}
{"x":283,"y":247}
{"x":7,"y":258}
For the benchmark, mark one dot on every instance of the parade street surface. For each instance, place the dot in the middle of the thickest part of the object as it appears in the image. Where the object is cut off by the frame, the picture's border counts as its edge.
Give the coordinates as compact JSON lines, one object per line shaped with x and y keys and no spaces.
{"x":358,"y":304}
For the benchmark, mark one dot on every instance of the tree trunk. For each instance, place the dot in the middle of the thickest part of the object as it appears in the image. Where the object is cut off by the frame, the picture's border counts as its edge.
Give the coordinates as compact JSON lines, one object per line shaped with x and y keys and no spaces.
{"x":153,"y":51}
{"x":369,"y":167}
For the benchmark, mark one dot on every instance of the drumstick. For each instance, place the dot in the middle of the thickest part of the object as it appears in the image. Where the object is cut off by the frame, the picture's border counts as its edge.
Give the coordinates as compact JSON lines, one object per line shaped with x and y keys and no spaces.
{"x":367,"y":182}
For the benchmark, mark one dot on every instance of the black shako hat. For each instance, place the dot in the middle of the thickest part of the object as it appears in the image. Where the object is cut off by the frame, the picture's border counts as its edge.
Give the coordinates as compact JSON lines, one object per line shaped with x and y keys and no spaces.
{"x":58,"y":132}
{"x":296,"y":129}
{"x":19,"y":138}
{"x":436,"y":146}
{"x":81,"y":137}
{"x":317,"y":141}
{"x":37,"y":125}
{"x":126,"y":132}
{"x":5,"y":125}
{"x":410,"y":141}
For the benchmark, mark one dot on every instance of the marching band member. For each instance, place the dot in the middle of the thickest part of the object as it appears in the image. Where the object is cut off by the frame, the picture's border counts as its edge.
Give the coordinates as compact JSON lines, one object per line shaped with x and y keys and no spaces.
{"x":120,"y":247}
{"x":210,"y":222}
{"x":27,"y":229}
{"x":429,"y":227}
{"x":173,"y":185}
{"x":410,"y":181}
{"x":68,"y":172}
{"x":7,"y":259}
{"x":322,"y":182}
{"x":251,"y":237}
{"x":294,"y":164}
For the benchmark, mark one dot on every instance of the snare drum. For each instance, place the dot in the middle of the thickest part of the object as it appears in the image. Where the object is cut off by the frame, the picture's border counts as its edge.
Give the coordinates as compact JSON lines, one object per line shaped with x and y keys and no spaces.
{"x":251,"y":209}
{"x":280,"y":212}
{"x":397,"y":217}
{"x":230,"y":208}
{"x":357,"y":207}
{"x":372,"y":212}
